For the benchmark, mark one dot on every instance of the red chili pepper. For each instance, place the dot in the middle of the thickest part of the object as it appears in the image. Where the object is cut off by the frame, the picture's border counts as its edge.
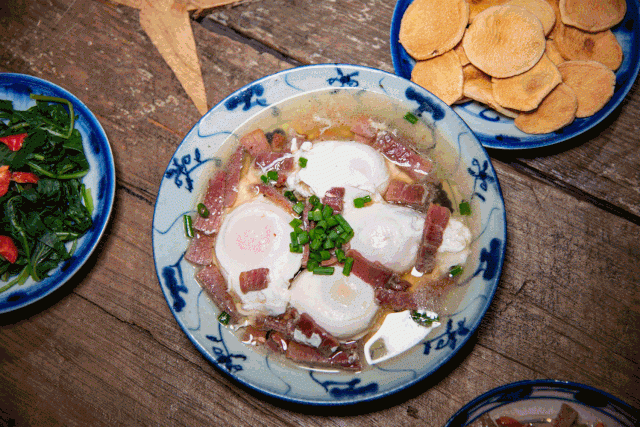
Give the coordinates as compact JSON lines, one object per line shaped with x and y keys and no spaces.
{"x":24,"y":177}
{"x":508,"y":422}
{"x":8,"y":249}
{"x":14,"y":142}
{"x":5,"y":180}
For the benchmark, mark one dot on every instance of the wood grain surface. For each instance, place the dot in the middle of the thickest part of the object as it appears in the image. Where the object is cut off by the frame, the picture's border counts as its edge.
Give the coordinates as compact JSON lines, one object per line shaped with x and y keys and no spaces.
{"x":105,"y":349}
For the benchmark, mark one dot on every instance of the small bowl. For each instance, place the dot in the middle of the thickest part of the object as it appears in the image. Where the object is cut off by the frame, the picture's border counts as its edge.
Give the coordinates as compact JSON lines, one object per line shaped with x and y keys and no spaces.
{"x":216,"y":135}
{"x":100,"y":180}
{"x":531,"y":401}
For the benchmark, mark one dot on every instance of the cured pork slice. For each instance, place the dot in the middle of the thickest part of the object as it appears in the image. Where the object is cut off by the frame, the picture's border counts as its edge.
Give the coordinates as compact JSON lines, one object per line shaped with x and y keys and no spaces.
{"x":334,"y":198}
{"x":374,"y":273}
{"x":302,"y":353}
{"x":234,"y":169}
{"x":256,"y":143}
{"x":254,"y":280}
{"x":404,"y":193}
{"x":279,"y":162}
{"x":200,"y":249}
{"x":400,"y":153}
{"x":216,"y":287}
{"x":434,"y":224}
{"x":276,"y":197}
{"x":426,"y":297}
{"x":214,"y":200}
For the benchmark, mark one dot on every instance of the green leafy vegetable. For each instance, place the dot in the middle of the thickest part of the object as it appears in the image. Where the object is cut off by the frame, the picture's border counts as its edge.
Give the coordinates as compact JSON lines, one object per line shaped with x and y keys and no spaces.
{"x":42,"y":219}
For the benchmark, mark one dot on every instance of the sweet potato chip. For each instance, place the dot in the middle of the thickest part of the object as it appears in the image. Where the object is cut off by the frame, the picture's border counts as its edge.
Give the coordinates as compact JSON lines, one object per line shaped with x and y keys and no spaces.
{"x":541,"y":10}
{"x":504,"y":41}
{"x":592,"y":15}
{"x":463,"y":56}
{"x":525,"y":91}
{"x":603,"y":46}
{"x":592,"y":82}
{"x":553,"y":53}
{"x":441,"y":76}
{"x":556,"y":111}
{"x":477,"y":86}
{"x":477,"y":6}
{"x":432,"y":27}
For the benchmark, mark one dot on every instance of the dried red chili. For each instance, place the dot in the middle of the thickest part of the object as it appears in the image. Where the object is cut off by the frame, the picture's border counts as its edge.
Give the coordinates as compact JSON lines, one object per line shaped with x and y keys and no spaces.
{"x":8,"y":249}
{"x":14,"y":142}
{"x":5,"y":180}
{"x":24,"y":177}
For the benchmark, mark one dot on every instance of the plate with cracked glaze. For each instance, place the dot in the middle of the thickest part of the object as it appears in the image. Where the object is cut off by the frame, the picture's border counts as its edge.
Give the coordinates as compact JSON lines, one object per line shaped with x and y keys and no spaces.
{"x":538,"y":401}
{"x":494,"y":130}
{"x":100,"y":180}
{"x":208,"y":144}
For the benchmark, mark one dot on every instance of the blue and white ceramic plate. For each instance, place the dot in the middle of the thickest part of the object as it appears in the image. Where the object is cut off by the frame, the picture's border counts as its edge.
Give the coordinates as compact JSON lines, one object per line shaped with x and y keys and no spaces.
{"x":497,"y":131}
{"x":540,"y":400}
{"x":213,"y":137}
{"x":100,"y":179}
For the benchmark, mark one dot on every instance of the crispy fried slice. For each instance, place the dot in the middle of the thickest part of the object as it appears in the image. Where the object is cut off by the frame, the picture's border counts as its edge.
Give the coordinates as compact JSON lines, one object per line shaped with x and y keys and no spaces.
{"x":592,"y":82}
{"x":556,"y":111}
{"x":432,"y":27}
{"x":477,"y":86}
{"x":441,"y":76}
{"x":463,"y":56}
{"x":603,"y":46}
{"x":553,"y":53}
{"x":525,"y":91}
{"x":541,"y":9}
{"x":555,"y":5}
{"x":504,"y":41}
{"x":592,"y":15}
{"x":477,"y":6}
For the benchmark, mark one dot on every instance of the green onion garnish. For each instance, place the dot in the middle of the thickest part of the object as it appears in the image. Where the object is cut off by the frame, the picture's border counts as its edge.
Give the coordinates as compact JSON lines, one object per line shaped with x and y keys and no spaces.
{"x":202,"y":210}
{"x":456,"y":270}
{"x":188,"y":226}
{"x":296,"y":249}
{"x":264,"y":179}
{"x":296,"y":222}
{"x":343,"y":223}
{"x":411,"y":118}
{"x":298,"y":207}
{"x":312,"y":265}
{"x":325,"y":271}
{"x":465,"y":208}
{"x":313,"y":200}
{"x":272,"y":175}
{"x":302,"y":162}
{"x":358,"y":203}
{"x":423,"y":319}
{"x":224,"y":318}
{"x":303,"y":237}
{"x":348,"y":265}
{"x":289,"y":195}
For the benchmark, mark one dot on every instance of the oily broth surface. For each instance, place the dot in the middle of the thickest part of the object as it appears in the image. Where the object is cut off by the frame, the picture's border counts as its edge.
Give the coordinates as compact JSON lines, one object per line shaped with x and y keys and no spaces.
{"x":334,"y":109}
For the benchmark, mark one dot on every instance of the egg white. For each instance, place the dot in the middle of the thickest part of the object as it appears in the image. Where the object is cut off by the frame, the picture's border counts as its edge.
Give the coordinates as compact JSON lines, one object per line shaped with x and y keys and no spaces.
{"x":343,"y":305}
{"x":256,"y":235}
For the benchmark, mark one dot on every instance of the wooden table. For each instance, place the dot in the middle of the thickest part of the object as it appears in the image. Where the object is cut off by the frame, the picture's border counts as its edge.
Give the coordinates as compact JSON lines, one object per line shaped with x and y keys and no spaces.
{"x":106,"y":350}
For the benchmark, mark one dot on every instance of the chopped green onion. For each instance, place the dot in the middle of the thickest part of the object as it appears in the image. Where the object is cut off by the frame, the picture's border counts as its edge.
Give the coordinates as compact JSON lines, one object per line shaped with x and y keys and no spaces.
{"x":331,"y":221}
{"x":272,"y":175}
{"x":303,"y":237}
{"x":358,"y":203}
{"x":343,"y":223}
{"x":315,"y":215}
{"x":313,"y":200}
{"x":325,"y":271}
{"x":294,"y":238}
{"x":325,"y":255}
{"x":315,"y":244}
{"x":289,"y":195}
{"x":298,"y":207}
{"x":296,"y":249}
{"x":302,"y":162}
{"x":322,"y":224}
{"x":315,"y":256}
{"x":423,"y":319}
{"x":224,"y":318}
{"x":327,"y":211}
{"x":188,"y":225}
{"x":456,"y":270}
{"x":295,"y":222}
{"x":264,"y":179}
{"x":202,"y":210}
{"x":340,"y":255}
{"x":465,"y":208}
{"x":411,"y":118}
{"x":348,"y":265}
{"x":367,"y":198}
{"x":312,"y":265}
{"x":328,"y":244}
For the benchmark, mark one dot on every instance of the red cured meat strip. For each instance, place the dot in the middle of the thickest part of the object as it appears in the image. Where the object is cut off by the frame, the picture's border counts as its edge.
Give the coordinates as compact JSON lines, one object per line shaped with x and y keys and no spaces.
{"x":426,"y":297}
{"x":279,"y":162}
{"x":334,"y":198}
{"x":373,"y":273}
{"x":308,"y":327}
{"x":416,"y":166}
{"x":200,"y":250}
{"x":434,"y":224}
{"x":302,"y":353}
{"x":254,"y":280}
{"x":362,"y":128}
{"x":234,"y":168}
{"x":277,"y":342}
{"x":254,"y":336}
{"x":214,"y":201}
{"x":278,"y":141}
{"x":402,"y":192}
{"x":275,"y":196}
{"x":256,"y":143}
{"x":216,"y":287}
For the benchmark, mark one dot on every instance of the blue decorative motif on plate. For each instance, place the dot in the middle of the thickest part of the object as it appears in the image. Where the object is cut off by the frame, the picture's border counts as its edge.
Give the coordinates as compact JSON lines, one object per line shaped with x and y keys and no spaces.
{"x":197,"y":316}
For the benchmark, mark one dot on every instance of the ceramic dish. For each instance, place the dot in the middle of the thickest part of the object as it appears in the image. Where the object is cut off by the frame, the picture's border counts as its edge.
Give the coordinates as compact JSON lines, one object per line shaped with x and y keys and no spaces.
{"x":531,"y":401}
{"x":199,"y":154}
{"x":497,"y":131}
{"x":100,"y":179}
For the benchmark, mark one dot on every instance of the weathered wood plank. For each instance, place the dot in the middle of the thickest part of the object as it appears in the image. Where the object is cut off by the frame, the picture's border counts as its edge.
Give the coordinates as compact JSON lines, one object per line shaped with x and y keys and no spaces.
{"x":602,"y":164}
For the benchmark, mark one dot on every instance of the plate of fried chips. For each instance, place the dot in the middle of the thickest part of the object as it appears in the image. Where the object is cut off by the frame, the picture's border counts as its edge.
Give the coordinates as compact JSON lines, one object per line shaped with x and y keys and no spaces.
{"x":521,"y":73}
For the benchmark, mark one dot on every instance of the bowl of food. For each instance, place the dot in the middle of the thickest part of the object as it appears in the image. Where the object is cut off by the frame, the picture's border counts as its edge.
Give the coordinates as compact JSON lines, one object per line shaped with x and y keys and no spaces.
{"x":545,"y":403}
{"x":521,"y":73}
{"x":329,"y":234}
{"x":57,"y":186}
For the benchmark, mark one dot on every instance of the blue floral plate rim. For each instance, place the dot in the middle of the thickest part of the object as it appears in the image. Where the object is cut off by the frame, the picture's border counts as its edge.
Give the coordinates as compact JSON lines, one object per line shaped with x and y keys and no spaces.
{"x":175,"y":276}
{"x":100,"y":179}
{"x":496,"y":131}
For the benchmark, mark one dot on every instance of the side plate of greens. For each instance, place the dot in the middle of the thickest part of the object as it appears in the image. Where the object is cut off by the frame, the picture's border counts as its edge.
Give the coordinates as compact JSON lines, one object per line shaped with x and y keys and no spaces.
{"x":57,"y":186}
